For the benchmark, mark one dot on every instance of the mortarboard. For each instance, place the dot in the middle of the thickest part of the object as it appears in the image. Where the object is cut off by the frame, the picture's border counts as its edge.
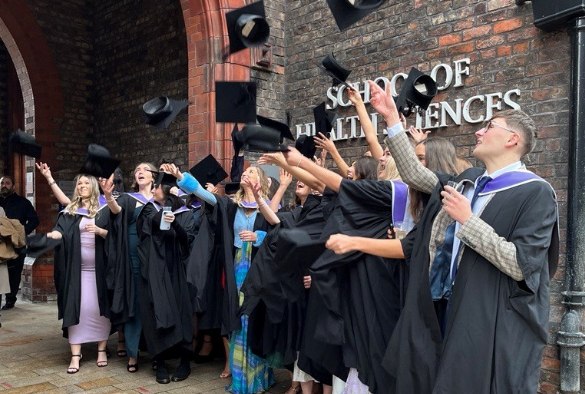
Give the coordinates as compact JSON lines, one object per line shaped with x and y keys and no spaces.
{"x":324,"y":119}
{"x":163,"y":178}
{"x":335,"y":70}
{"x":37,"y":244}
{"x":236,"y":143}
{"x":295,"y":248}
{"x":98,"y":162}
{"x":208,"y":170}
{"x":161,"y":111}
{"x":282,"y":128}
{"x":306,"y":145}
{"x":235,"y":102}
{"x":231,"y":188}
{"x":418,"y":90}
{"x":24,"y":143}
{"x":259,"y":138}
{"x":247,"y":27}
{"x":348,"y":12}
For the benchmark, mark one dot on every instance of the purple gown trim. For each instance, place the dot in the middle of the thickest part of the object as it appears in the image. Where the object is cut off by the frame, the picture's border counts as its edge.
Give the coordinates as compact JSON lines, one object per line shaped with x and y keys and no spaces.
{"x":176,"y":211}
{"x":509,"y":180}
{"x":399,"y":195}
{"x":253,"y":204}
{"x":139,"y":197}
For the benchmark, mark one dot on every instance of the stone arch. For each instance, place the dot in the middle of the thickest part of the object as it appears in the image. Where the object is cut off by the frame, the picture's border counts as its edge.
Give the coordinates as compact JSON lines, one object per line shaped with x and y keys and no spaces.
{"x":206,"y":39}
{"x":40,"y":84}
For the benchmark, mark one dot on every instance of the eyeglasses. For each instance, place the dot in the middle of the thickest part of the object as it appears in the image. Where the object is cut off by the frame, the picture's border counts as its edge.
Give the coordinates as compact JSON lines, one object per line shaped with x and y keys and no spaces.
{"x":487,"y":126}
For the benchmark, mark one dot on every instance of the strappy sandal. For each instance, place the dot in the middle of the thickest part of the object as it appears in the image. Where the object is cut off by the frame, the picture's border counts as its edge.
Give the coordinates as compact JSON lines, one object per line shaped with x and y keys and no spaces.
{"x":102,"y":364}
{"x":132,"y":368}
{"x":72,"y":370}
{"x":122,"y":352}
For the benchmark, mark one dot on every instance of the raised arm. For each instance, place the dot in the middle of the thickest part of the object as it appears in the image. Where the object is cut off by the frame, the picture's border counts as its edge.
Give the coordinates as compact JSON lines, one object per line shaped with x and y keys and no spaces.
{"x":369,"y":131}
{"x":412,"y":172}
{"x":46,"y":172}
{"x":300,"y":174}
{"x":264,"y":208}
{"x":107,"y":186}
{"x":285,"y":180}
{"x":189,"y":184}
{"x":331,"y":179}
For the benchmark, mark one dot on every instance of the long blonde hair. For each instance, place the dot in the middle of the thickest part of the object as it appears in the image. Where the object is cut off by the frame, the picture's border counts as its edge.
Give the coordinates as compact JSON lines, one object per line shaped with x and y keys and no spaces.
{"x":390,"y":171}
{"x":76,"y":201}
{"x":264,"y":191}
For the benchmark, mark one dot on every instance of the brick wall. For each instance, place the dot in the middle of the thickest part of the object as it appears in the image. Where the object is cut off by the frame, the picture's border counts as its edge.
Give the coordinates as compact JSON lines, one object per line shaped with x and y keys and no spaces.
{"x":140,"y":53}
{"x":505,"y":50}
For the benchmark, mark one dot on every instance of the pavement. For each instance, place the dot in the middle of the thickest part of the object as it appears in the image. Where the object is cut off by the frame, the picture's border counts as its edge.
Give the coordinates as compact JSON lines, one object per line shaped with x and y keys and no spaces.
{"x":34,"y":358}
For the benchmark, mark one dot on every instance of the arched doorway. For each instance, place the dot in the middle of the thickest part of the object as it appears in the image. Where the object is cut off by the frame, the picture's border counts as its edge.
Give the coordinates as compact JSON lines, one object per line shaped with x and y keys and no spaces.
{"x":206,"y":37}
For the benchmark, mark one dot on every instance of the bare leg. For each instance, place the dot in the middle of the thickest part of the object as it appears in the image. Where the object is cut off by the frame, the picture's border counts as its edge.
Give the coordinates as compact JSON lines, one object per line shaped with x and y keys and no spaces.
{"x":75,"y":358}
{"x":102,"y":357}
{"x":226,"y":368}
{"x":327,"y":389}
{"x":207,"y":346}
{"x":307,"y":387}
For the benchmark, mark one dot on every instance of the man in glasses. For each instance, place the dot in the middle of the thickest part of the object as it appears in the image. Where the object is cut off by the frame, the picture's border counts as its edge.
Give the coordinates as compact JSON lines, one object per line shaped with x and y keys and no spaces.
{"x":481,"y":259}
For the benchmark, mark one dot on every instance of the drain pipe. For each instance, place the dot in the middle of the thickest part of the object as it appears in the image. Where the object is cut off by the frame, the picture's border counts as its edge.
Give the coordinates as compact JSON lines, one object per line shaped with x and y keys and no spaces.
{"x":570,"y":338}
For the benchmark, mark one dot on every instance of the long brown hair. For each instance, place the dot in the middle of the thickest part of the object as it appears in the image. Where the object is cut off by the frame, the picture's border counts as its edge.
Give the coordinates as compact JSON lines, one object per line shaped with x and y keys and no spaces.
{"x":264,"y":191}
{"x":152,"y":168}
{"x":440,"y":155}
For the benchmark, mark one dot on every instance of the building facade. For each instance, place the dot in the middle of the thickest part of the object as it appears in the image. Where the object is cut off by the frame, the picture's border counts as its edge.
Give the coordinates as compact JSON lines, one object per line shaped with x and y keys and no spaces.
{"x":77,"y":71}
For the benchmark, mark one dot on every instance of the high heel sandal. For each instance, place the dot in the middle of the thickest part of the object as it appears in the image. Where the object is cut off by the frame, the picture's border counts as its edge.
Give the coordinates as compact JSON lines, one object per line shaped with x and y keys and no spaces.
{"x":102,"y":364}
{"x":202,"y":359}
{"x":72,"y":370}
{"x":122,"y":352}
{"x":293,"y":390}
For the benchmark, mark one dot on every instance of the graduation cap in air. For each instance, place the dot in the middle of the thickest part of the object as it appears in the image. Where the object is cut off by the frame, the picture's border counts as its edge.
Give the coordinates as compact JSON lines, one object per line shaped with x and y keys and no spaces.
{"x":236,"y":143}
{"x":296,"y":250}
{"x":231,"y":188}
{"x":38,"y":244}
{"x":247,"y":27}
{"x":324,"y":119}
{"x":235,"y":102}
{"x":208,"y":170}
{"x":418,"y":90}
{"x":24,"y":143}
{"x":335,"y":70}
{"x":163,"y":178}
{"x":348,"y":12}
{"x":99,"y":163}
{"x":265,"y":137}
{"x":161,"y":111}
{"x":306,"y":145}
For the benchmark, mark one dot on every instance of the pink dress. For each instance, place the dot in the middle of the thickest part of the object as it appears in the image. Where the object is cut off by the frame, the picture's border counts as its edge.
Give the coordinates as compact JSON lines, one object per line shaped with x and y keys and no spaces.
{"x":92,"y":327}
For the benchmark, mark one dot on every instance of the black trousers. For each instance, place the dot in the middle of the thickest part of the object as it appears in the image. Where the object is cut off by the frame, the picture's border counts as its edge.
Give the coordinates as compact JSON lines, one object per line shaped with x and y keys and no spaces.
{"x":14,"y":272}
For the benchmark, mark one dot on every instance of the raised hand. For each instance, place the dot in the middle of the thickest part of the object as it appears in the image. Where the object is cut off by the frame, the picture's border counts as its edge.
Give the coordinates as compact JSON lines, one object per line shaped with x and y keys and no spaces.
{"x":293,"y":157}
{"x":383,"y":102}
{"x":272,"y":158}
{"x":107,"y":186}
{"x":354,"y":96}
{"x":173,"y":170}
{"x":324,"y":143}
{"x":44,"y":169}
{"x":417,"y":134}
{"x":285,"y":178}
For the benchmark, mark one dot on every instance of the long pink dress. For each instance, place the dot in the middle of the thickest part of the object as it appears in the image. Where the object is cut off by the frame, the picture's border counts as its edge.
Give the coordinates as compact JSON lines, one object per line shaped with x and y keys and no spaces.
{"x":92,"y":327}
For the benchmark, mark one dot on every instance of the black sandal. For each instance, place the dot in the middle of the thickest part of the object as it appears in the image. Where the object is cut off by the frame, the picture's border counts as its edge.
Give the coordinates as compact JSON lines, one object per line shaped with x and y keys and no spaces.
{"x":101,"y":363}
{"x":72,"y":370}
{"x":134,"y":368}
{"x":122,"y":352}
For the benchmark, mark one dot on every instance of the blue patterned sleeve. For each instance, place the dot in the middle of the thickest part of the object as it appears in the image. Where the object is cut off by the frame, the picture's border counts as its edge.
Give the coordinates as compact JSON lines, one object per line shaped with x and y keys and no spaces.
{"x":191,"y":185}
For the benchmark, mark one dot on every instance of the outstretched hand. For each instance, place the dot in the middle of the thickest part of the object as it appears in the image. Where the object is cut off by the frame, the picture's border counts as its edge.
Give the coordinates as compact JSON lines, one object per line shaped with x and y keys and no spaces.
{"x":272,"y":158}
{"x":285,"y":178}
{"x":340,"y":243}
{"x":173,"y":170}
{"x":107,"y":185}
{"x":417,"y":134}
{"x":44,"y":169}
{"x":383,"y":102}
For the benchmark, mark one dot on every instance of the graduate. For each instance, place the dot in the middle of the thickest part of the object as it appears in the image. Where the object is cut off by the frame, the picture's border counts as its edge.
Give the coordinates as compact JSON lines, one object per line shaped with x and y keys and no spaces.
{"x":80,"y":270}
{"x":165,"y":303}
{"x":481,"y":260}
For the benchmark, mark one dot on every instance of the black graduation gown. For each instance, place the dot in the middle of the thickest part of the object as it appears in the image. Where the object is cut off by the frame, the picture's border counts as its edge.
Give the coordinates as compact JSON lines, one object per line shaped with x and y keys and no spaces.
{"x":360,"y":302}
{"x":67,"y":268}
{"x":120,"y":276}
{"x":275,"y":299}
{"x":496,"y":327}
{"x":165,"y":304}
{"x":210,"y":270}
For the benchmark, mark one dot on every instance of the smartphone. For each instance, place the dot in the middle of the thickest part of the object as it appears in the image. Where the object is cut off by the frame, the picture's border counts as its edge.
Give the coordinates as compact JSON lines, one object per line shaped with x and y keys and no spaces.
{"x":165,"y":225}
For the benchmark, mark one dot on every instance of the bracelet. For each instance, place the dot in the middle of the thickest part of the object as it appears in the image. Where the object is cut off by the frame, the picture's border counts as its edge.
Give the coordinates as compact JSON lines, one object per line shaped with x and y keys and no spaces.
{"x":52,"y":182}
{"x":110,"y":199}
{"x":261,"y":205}
{"x":301,"y":159}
